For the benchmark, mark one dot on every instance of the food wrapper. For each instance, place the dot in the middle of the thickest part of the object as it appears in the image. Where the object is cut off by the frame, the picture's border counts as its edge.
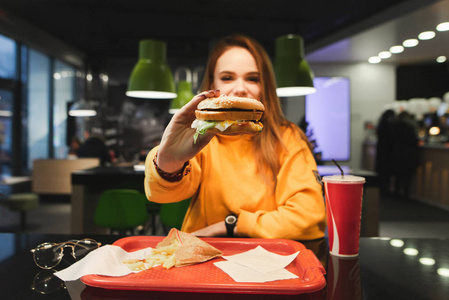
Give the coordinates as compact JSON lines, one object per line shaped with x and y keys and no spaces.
{"x":110,"y":260}
{"x":191,"y":249}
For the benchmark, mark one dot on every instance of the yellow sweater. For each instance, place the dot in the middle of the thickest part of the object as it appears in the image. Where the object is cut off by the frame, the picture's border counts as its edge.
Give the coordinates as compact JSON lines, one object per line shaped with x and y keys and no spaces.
{"x":224,"y":180}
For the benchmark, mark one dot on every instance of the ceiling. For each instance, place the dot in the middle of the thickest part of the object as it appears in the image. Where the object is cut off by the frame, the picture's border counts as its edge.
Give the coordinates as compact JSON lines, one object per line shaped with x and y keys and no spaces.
{"x":111,"y":29}
{"x":359,"y":47}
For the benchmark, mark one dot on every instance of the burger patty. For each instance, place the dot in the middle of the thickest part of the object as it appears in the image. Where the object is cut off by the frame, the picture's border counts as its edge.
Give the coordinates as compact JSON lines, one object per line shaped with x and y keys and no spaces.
{"x":223,"y":115}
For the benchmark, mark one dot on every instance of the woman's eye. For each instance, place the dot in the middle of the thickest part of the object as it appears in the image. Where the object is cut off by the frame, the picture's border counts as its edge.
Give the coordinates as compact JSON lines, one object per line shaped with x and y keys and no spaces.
{"x":226,"y":78}
{"x":253,"y":79}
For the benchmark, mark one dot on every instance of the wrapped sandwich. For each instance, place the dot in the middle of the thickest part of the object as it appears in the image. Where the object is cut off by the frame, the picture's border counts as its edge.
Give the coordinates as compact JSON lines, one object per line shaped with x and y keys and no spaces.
{"x":178,"y":249}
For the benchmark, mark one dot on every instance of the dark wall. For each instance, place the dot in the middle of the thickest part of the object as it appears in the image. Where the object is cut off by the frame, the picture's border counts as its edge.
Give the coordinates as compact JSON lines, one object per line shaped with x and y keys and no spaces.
{"x":131,"y":126}
{"x":422,"y":81}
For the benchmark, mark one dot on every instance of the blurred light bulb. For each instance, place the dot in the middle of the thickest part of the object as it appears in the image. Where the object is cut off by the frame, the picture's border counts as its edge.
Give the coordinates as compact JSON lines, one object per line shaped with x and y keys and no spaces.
{"x":397,"y":49}
{"x":410,"y":43}
{"x":385,"y":54}
{"x":443,"y":272}
{"x":374,"y":60}
{"x":427,"y":261}
{"x":397,"y":243}
{"x":426,"y":35}
{"x":434,"y":130}
{"x":443,"y":26}
{"x":441,"y":59}
{"x":411,"y":251}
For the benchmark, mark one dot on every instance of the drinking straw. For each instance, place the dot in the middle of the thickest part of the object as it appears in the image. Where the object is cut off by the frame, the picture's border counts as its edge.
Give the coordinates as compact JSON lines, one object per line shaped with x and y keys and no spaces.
{"x":341,"y":170}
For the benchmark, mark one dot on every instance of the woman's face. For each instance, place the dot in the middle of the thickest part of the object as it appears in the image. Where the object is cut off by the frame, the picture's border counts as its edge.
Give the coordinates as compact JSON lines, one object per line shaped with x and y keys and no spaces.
{"x":236,"y":74}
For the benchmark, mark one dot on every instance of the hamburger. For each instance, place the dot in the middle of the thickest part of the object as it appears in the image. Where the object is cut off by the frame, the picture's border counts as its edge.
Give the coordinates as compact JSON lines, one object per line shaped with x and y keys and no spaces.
{"x":228,"y":116}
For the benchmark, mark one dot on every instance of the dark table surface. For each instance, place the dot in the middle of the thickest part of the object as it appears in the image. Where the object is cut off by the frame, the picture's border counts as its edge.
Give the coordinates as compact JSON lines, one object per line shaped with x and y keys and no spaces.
{"x":382,"y":271}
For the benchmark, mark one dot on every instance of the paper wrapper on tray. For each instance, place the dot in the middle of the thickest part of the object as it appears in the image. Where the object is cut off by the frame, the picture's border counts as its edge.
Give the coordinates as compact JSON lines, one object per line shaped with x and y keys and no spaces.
{"x":191,"y":249}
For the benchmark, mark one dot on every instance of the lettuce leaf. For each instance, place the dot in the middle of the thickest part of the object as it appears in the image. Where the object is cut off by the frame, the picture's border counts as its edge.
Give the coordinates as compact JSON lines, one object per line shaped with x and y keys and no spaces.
{"x":201,"y":128}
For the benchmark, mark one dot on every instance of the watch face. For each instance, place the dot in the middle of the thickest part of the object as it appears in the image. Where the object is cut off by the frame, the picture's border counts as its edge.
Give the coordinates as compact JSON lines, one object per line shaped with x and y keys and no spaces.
{"x":231,"y":219}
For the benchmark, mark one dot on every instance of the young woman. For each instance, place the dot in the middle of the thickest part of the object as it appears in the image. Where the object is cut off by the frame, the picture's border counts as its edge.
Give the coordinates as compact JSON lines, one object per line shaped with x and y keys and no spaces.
{"x":268,"y":181}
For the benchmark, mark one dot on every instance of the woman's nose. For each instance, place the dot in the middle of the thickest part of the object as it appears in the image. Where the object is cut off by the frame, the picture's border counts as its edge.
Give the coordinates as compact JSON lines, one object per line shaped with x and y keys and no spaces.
{"x":240,"y":89}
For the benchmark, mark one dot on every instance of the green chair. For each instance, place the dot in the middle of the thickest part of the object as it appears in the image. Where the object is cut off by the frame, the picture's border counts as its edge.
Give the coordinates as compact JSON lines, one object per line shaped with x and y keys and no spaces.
{"x":22,"y":202}
{"x":172,"y":214}
{"x":153,"y":211}
{"x":121,"y":210}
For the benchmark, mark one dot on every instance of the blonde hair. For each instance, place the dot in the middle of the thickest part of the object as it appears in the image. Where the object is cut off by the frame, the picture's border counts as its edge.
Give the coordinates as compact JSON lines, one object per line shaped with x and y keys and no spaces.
{"x":268,"y":143}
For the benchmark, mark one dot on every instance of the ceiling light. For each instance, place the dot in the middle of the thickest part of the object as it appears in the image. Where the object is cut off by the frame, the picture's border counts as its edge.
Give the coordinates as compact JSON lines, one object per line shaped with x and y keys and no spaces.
{"x":411,"y":251}
{"x":427,"y":261}
{"x":441,"y":59}
{"x":443,"y":26}
{"x":374,"y":60}
{"x":410,"y":43}
{"x":443,"y":272}
{"x":82,"y":108}
{"x":151,"y":77}
{"x":426,"y":35}
{"x":397,"y":49}
{"x":385,"y":54}
{"x":293,"y":74}
{"x":397,"y":243}
{"x":5,"y":113}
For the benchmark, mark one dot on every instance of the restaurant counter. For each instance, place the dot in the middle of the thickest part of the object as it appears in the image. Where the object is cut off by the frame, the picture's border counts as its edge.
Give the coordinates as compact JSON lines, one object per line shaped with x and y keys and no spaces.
{"x":386,"y":269}
{"x":432,"y":175}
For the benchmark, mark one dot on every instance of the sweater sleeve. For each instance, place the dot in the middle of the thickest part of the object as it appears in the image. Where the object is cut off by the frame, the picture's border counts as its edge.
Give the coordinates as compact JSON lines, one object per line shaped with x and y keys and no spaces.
{"x":160,"y":190}
{"x":300,"y":212}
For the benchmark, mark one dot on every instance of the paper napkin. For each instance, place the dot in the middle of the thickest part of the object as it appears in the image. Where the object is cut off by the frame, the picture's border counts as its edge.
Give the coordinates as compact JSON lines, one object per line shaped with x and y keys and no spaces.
{"x":106,"y":260}
{"x":257,"y":265}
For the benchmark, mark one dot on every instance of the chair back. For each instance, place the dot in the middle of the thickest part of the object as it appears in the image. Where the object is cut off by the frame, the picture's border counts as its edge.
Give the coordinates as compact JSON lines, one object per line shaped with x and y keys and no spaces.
{"x":172,"y":214}
{"x":121,"y":209}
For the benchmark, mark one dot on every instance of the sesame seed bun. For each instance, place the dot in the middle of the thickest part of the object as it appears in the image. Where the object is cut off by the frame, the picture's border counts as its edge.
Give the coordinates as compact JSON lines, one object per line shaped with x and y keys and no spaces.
{"x":227,"y":102}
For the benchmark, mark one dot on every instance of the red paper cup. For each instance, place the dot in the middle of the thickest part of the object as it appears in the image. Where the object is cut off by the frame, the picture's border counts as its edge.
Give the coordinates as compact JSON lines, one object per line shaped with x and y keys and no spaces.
{"x":343,"y":278}
{"x":344,"y":211}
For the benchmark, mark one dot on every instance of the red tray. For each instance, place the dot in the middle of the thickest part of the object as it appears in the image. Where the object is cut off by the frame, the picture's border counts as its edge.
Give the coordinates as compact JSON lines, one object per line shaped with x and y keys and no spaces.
{"x":206,"y":277}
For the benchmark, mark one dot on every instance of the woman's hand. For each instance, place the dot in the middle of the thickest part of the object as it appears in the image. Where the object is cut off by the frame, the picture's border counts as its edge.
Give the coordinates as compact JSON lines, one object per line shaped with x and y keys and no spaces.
{"x":177,"y":144}
{"x":217,"y":229}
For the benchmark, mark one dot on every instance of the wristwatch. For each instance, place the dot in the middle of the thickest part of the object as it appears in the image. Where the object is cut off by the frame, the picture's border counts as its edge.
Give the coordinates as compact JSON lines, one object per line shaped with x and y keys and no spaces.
{"x":231,"y":222}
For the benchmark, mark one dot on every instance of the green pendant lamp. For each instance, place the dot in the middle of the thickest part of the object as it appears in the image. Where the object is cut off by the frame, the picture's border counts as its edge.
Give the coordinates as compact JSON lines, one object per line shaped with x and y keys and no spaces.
{"x":184,"y":96}
{"x":151,"y":77}
{"x":293,"y":74}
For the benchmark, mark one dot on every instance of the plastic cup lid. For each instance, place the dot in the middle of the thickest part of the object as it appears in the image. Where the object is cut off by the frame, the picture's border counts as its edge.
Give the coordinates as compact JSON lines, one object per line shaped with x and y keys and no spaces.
{"x":343,"y":179}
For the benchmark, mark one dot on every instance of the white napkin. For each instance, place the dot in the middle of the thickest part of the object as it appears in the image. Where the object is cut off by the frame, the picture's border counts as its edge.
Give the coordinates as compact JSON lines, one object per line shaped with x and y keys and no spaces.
{"x":257,"y":265}
{"x":106,"y":260}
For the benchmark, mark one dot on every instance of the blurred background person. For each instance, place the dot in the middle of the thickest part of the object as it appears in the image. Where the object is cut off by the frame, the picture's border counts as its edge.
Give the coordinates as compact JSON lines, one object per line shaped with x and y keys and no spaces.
{"x":75,"y":144}
{"x":404,"y":153}
{"x":384,"y":150}
{"x":95,"y":147}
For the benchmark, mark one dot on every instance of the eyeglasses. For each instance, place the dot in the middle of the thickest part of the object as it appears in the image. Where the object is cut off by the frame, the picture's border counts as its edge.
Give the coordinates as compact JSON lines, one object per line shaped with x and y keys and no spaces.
{"x":49,"y":255}
{"x":45,"y":282}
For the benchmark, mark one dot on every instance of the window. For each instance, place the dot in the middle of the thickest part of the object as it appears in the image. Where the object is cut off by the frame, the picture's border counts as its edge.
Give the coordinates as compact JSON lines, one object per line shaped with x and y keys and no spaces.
{"x":8,"y":69}
{"x":64,"y":90}
{"x":38,"y":103}
{"x":38,"y":93}
{"x":6,"y":100}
